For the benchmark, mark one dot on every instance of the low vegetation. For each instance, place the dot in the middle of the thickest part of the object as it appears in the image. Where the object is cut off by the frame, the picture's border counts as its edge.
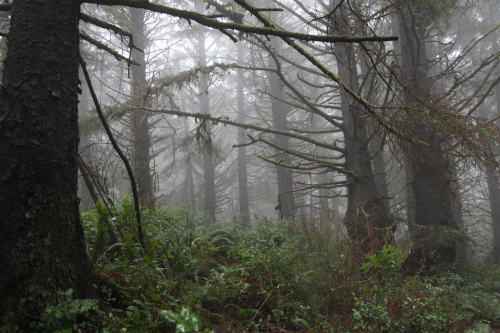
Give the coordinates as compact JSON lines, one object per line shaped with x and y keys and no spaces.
{"x":193,"y":277}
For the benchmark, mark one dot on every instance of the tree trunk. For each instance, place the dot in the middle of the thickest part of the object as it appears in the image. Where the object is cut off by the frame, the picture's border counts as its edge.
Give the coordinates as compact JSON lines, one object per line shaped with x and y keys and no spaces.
{"x":189,"y":193}
{"x":207,"y":144}
{"x":493,"y":180}
{"x":435,"y":227}
{"x":367,"y":217}
{"x":242,"y":154}
{"x":279,"y":114}
{"x":140,"y":119}
{"x":42,"y":248}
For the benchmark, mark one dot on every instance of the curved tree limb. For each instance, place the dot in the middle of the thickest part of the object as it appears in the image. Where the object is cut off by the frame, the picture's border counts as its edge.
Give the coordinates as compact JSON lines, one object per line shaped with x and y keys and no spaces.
{"x":133,"y":183}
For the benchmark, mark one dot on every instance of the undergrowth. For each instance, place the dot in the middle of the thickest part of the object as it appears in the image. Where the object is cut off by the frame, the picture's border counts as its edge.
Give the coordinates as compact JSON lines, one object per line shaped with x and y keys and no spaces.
{"x":193,"y":277}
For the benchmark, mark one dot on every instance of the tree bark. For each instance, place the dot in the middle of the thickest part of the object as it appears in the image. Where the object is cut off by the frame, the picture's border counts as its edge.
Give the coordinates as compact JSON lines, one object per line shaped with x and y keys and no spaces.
{"x":367,"y":217}
{"x":42,"y":248}
{"x":242,"y":154}
{"x":140,"y":118}
{"x":190,"y":197}
{"x":493,"y":181}
{"x":428,"y":168}
{"x":207,"y":144}
{"x":279,"y":114}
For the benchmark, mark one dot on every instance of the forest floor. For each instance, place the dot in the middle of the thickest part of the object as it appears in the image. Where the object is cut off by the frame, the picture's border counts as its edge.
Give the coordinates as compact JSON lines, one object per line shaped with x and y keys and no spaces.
{"x":193,"y":277}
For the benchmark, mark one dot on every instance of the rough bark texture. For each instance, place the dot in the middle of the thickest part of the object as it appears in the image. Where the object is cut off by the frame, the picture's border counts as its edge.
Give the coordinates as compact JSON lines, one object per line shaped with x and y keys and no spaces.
{"x":435,"y":228}
{"x":367,"y":217}
{"x":207,"y":145}
{"x":279,"y":114}
{"x":42,"y":247}
{"x":140,"y":119}
{"x":242,"y":154}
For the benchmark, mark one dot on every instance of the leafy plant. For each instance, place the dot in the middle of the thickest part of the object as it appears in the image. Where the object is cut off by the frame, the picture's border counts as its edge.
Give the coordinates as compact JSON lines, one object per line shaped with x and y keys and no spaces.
{"x":185,"y":320}
{"x":68,"y":315}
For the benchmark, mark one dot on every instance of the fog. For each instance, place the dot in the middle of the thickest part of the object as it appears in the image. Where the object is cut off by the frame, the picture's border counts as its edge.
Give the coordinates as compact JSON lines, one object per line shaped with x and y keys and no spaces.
{"x":264,"y":165}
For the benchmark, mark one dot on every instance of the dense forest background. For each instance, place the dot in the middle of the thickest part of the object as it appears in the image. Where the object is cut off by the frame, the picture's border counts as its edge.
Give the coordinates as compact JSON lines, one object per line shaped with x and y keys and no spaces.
{"x":245,"y":166}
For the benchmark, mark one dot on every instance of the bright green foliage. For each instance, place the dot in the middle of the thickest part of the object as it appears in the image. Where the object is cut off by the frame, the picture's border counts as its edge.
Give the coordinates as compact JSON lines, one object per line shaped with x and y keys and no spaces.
{"x":185,"y":320}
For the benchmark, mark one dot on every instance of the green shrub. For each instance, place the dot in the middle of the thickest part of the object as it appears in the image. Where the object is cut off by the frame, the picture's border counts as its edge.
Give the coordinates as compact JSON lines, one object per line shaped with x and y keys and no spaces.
{"x":68,"y":315}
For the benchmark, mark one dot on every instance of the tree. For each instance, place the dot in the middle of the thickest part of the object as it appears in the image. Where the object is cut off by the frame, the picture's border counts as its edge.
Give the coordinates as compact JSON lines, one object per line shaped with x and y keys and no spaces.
{"x":429,"y":170}
{"x":42,"y":246}
{"x":279,"y":112}
{"x":140,"y":119}
{"x":242,"y":154}
{"x":208,"y":147}
{"x":367,"y":218}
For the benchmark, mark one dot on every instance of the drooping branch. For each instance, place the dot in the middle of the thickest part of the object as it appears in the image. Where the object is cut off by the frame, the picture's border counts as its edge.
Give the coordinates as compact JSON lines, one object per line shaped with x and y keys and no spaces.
{"x":227,"y":121}
{"x":106,"y":48}
{"x":317,"y":162}
{"x":111,"y":27}
{"x":216,"y":24}
{"x":124,"y":159}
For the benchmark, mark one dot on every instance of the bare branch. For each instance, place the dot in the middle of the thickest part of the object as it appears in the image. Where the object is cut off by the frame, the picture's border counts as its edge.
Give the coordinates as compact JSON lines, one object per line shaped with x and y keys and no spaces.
{"x":216,"y":24}
{"x":133,"y":184}
{"x":227,"y":121}
{"x":111,"y":27}
{"x":106,"y":48}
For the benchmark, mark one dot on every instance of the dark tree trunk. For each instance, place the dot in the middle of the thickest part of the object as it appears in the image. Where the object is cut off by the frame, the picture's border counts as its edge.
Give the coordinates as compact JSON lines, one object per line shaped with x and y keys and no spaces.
{"x":367,"y":217}
{"x":140,"y":118}
{"x":429,"y":170}
{"x":42,"y":247}
{"x":242,"y":154}
{"x":207,"y":144}
{"x":279,"y":114}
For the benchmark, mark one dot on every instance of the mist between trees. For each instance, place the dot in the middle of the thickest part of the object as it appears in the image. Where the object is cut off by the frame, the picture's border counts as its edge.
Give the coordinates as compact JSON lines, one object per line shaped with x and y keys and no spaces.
{"x":365,"y":127}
